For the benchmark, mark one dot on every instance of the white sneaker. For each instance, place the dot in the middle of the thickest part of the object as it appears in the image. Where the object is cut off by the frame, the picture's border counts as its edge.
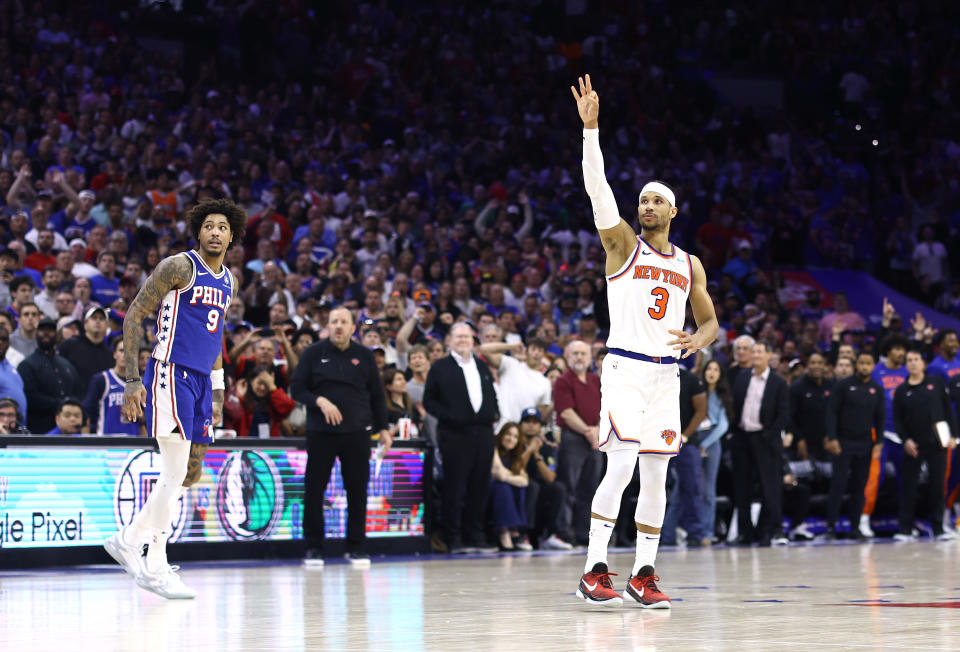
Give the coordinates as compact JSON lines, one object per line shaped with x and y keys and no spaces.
{"x":865,"y":528}
{"x":130,"y":557}
{"x":554,"y":542}
{"x":900,"y":536}
{"x":801,"y":533}
{"x":166,"y":583}
{"x":946,"y":536}
{"x":948,"y":522}
{"x":779,"y":541}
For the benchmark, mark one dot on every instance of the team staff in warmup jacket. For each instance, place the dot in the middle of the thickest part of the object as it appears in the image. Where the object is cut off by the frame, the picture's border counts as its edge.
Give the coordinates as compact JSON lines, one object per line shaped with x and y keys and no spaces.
{"x":855,"y":419}
{"x":338,"y":380}
{"x":918,"y":404}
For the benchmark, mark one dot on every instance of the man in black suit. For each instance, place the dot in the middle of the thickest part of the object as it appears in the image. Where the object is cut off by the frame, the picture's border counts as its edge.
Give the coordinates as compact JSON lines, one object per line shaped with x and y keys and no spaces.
{"x":761,"y":409}
{"x":459,"y":393}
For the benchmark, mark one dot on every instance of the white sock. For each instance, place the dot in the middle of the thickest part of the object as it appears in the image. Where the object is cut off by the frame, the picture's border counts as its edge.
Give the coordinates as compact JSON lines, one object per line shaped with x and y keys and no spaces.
{"x":600,"y":531}
{"x":157,"y":551}
{"x":647,"y":545}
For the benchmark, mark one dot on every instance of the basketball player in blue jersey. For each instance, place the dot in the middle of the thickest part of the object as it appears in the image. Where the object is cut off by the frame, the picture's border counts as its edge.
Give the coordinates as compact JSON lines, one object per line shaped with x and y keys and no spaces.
{"x":104,"y":400}
{"x":649,"y":281}
{"x":181,"y":393}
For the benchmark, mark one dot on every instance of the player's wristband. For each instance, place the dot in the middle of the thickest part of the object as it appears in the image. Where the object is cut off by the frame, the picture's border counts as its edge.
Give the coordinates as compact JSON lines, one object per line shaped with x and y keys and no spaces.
{"x":216,"y":379}
{"x":131,"y":380}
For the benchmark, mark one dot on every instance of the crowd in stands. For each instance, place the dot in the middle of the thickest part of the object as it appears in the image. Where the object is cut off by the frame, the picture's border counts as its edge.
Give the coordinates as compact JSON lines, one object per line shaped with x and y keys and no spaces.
{"x":420,"y":191}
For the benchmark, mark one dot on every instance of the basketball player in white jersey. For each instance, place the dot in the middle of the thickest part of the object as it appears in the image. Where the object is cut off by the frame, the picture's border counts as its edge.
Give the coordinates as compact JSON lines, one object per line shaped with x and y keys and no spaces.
{"x":649,"y":281}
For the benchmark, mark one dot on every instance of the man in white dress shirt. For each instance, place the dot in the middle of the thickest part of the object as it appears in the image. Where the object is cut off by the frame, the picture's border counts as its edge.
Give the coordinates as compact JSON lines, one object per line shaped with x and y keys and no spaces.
{"x":459,"y":392}
{"x":761,"y":408}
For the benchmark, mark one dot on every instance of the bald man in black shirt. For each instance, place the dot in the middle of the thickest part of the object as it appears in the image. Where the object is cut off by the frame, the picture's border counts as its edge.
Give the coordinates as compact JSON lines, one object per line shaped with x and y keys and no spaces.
{"x":338,"y":380}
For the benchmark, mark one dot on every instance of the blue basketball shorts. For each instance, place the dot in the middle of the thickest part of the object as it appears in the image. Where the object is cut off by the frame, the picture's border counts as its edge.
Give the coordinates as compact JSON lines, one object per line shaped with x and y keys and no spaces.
{"x":179,"y":402}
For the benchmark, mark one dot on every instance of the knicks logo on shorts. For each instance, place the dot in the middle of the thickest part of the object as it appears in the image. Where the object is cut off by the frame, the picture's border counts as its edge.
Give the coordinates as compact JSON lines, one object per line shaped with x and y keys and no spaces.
{"x":669,"y":436}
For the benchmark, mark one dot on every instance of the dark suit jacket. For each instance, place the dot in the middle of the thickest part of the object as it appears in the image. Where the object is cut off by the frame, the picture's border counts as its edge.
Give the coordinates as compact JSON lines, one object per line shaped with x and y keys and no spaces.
{"x":445,"y":395}
{"x":774,"y":406}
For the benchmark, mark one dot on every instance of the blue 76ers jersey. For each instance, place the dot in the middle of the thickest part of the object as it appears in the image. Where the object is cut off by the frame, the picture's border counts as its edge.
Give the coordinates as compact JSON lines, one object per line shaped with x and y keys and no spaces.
{"x":109,"y":404}
{"x":190,"y":320}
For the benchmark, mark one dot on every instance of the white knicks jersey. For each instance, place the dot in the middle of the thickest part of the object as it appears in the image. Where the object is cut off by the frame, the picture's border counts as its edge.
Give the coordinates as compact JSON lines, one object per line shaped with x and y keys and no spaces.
{"x":647,"y":298}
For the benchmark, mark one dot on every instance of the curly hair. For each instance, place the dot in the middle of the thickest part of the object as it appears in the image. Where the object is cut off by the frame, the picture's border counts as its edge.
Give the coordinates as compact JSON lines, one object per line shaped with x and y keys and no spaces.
{"x":235,"y":215}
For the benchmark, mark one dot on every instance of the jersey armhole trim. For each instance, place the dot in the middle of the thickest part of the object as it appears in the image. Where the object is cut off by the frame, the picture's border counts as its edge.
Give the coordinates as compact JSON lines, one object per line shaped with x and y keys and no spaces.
{"x":627,"y":265}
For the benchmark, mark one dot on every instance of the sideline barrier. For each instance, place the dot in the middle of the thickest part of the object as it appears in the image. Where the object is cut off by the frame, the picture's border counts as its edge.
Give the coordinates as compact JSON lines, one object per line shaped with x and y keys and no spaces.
{"x":60,"y":497}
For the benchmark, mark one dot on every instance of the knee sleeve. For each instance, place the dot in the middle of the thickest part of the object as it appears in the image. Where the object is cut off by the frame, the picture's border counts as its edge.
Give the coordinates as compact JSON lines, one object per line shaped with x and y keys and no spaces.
{"x":174,"y":454}
{"x":652,"y":501}
{"x":606,"y":501}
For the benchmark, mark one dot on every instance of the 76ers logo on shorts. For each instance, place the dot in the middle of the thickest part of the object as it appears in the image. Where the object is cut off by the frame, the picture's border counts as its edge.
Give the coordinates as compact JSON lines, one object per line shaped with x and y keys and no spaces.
{"x":669,"y":436}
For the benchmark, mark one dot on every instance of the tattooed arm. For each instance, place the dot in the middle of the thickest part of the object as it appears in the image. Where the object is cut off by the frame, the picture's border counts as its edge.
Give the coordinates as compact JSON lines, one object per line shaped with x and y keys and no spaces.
{"x":172,"y":273}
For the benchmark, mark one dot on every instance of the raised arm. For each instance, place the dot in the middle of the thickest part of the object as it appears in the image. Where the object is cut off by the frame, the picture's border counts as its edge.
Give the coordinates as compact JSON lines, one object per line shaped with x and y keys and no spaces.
{"x":618,"y":239}
{"x":20,"y":183}
{"x":172,"y":273}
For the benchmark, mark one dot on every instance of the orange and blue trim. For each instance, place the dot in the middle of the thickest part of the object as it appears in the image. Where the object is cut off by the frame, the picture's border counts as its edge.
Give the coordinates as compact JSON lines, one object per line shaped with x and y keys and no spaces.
{"x":673,"y":249}
{"x":629,"y":265}
{"x":690,"y":266}
{"x":616,"y":433}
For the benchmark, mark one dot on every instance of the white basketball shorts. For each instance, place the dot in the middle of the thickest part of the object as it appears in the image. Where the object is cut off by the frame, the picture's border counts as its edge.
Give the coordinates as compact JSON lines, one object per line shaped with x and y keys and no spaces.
{"x":639,"y":406}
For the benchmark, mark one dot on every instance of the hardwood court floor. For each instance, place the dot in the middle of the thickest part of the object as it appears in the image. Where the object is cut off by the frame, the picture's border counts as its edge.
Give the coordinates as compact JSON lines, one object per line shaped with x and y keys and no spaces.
{"x":880,"y":595}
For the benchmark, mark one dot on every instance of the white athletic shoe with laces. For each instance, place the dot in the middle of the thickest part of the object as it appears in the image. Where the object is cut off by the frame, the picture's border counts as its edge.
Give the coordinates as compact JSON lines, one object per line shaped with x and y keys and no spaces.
{"x":166,"y":583}
{"x":130,"y":557}
{"x":865,"y":528}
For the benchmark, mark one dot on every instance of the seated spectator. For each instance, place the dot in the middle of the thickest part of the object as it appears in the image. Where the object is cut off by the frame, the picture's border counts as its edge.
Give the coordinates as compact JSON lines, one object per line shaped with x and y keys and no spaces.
{"x":546,"y":498}
{"x":11,"y":384}
{"x":399,"y":405}
{"x":508,"y":485}
{"x":256,"y":407}
{"x":69,"y":418}
{"x":264,"y":355}
{"x":11,"y":419}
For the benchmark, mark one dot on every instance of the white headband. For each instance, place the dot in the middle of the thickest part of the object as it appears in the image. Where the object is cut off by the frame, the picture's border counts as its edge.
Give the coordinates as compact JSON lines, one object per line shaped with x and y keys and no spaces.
{"x":659,"y":188}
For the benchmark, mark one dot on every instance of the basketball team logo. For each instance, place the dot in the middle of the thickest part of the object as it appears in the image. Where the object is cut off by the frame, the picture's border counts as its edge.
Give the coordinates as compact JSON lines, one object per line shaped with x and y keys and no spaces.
{"x":669,"y":436}
{"x":249,"y":496}
{"x":137,"y":478}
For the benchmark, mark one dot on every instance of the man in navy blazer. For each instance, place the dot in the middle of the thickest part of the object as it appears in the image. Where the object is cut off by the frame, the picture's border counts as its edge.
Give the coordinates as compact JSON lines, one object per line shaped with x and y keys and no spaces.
{"x":761,"y":410}
{"x":459,"y":392}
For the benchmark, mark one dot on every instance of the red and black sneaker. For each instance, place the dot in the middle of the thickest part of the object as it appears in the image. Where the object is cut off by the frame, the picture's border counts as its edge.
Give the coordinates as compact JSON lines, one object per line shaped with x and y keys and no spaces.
{"x":596,"y":588}
{"x":642,"y":587}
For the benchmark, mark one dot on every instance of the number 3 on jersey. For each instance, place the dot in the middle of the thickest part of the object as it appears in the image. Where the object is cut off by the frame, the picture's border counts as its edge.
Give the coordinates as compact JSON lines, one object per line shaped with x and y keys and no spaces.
{"x":660,"y":305}
{"x":213,"y":319}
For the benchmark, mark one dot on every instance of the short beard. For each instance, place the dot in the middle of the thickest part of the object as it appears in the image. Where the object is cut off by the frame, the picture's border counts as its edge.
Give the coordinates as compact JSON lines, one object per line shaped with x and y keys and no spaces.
{"x":580,"y":368}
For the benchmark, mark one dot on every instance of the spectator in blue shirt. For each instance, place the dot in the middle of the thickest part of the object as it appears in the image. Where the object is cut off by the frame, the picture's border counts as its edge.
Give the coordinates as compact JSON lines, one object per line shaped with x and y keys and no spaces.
{"x":69,"y":418}
{"x":105,"y":286}
{"x":11,"y":384}
{"x":742,"y":268}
